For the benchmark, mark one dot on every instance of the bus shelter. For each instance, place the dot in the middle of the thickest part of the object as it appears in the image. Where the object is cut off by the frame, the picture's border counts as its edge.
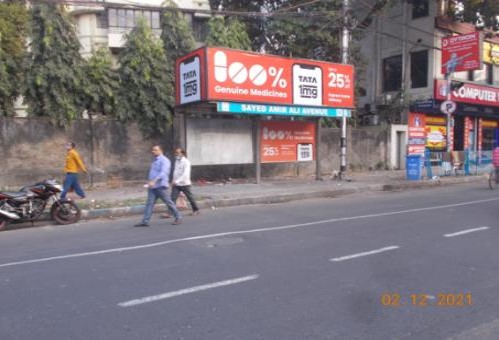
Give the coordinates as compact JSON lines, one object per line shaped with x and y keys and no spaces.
{"x":238,"y":110}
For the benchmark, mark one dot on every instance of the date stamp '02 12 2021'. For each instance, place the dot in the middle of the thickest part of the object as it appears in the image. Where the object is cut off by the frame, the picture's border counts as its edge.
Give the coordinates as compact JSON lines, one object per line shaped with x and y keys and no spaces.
{"x":426,"y":300}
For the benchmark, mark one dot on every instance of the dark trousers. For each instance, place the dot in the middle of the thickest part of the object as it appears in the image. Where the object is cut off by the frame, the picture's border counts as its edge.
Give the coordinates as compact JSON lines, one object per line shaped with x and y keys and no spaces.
{"x":152,"y":197}
{"x":186,"y":189}
{"x":71,"y":181}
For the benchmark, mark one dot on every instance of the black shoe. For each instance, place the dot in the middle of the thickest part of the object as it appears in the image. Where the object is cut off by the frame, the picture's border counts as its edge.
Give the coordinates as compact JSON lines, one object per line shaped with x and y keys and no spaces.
{"x":177,"y":221}
{"x":141,"y":224}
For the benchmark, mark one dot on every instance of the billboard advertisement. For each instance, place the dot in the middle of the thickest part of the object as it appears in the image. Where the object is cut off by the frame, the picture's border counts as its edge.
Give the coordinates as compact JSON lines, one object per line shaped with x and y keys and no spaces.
{"x":461,"y":53}
{"x":240,"y":76}
{"x":469,"y":93}
{"x":287,"y":141}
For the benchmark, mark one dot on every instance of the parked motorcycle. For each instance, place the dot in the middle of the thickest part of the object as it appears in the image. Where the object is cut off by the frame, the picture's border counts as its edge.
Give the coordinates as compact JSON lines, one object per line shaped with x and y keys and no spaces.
{"x":29,"y":203}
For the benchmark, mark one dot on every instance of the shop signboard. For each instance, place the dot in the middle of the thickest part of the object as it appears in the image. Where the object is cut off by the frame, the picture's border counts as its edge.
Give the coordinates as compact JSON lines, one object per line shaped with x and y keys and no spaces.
{"x":287,"y":141}
{"x":221,"y":74}
{"x":491,"y":53}
{"x":469,"y":93}
{"x":281,"y":110}
{"x":461,"y":53}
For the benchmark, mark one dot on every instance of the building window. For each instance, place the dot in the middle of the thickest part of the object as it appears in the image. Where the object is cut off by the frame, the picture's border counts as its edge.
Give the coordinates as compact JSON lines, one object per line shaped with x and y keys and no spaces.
{"x":490,"y":74}
{"x":420,"y":8}
{"x":102,"y":20}
{"x":200,"y":28}
{"x":392,"y":73}
{"x":113,"y":17}
{"x":419,"y":69}
{"x":128,"y":18}
{"x":495,"y":75}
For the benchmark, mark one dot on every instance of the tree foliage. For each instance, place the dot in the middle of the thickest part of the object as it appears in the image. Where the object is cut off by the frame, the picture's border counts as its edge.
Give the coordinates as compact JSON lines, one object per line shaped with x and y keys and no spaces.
{"x":146,"y":91}
{"x":483,"y":13}
{"x":176,"y":34}
{"x":102,"y":83}
{"x":229,"y":33}
{"x":54,"y":80}
{"x":13,"y":25}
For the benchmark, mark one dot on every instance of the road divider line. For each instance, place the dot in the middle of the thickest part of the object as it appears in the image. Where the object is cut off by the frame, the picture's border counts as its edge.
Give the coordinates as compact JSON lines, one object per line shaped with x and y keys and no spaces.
{"x":367,"y":253}
{"x":241,"y":232}
{"x":467,"y":231}
{"x":191,"y":290}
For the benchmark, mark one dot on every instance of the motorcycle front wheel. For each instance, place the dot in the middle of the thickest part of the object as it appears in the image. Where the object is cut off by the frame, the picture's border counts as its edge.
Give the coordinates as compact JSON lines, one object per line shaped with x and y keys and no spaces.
{"x":65,"y":212}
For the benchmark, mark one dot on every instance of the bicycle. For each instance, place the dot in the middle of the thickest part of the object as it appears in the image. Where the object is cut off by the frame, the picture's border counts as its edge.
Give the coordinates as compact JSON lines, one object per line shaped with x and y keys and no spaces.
{"x":492,"y":179}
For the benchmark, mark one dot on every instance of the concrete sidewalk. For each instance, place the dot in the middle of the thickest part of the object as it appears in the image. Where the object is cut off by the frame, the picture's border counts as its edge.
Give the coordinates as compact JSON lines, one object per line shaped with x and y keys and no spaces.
{"x":130,"y":198}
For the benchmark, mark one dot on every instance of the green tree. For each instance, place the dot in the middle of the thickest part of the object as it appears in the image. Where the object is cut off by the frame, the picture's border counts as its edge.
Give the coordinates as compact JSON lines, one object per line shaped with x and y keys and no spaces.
{"x":55,"y":79}
{"x":8,"y":89}
{"x":146,"y":91}
{"x":229,"y":33}
{"x":13,"y":25}
{"x":466,"y":11}
{"x":176,"y":34}
{"x":102,"y":83}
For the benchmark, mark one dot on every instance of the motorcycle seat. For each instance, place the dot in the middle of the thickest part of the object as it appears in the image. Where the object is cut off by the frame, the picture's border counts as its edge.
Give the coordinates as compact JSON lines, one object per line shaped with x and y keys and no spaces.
{"x":15,"y":194}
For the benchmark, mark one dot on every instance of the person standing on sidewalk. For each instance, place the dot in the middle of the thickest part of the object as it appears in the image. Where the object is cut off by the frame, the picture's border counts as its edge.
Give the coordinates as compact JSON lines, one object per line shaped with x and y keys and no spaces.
{"x":73,"y":166}
{"x":158,"y":187}
{"x":182,"y":179}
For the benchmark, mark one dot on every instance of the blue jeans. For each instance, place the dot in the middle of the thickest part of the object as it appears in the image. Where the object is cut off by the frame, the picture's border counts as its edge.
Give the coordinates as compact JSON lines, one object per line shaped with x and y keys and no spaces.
{"x":152,"y":197}
{"x":71,"y":181}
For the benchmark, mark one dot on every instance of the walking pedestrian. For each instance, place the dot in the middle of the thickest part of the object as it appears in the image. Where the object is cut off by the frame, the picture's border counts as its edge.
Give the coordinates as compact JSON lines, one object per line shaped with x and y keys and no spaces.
{"x":157,"y":185}
{"x":73,"y":166}
{"x":182,"y":179}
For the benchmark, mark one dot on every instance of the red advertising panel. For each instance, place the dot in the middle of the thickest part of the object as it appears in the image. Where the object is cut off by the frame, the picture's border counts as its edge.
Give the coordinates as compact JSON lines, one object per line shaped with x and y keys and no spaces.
{"x":469,"y":93}
{"x":287,"y":141}
{"x":461,"y":53}
{"x":417,"y":133}
{"x":240,"y":76}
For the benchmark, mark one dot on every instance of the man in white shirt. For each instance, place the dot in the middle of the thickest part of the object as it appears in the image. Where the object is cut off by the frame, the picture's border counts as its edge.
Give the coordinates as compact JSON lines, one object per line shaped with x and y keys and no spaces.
{"x":182,"y":179}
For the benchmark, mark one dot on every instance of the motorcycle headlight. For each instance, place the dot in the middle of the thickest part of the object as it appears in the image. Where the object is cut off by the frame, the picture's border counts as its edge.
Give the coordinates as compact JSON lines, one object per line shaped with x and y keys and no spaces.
{"x":58,"y":187}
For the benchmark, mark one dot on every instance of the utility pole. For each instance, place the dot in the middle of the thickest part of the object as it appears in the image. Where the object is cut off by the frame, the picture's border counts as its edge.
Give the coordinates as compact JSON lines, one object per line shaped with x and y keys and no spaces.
{"x":344,"y":59}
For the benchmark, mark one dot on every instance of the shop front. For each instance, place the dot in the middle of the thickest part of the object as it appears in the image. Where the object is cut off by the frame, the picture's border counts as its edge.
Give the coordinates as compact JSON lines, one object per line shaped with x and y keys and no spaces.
{"x":474,"y":124}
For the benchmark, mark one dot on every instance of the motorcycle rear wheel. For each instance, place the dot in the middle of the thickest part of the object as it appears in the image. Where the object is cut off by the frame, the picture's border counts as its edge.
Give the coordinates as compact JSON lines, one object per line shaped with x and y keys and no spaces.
{"x":65,"y":212}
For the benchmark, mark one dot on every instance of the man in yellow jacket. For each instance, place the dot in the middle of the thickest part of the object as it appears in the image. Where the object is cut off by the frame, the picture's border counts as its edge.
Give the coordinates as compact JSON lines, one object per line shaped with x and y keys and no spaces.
{"x":73,"y":166}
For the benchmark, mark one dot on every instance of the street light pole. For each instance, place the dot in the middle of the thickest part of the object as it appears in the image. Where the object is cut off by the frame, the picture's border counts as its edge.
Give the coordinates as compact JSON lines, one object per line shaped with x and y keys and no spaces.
{"x":344,"y":59}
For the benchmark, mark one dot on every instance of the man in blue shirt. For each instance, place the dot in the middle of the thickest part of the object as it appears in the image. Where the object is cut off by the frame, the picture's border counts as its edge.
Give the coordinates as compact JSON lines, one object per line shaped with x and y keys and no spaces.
{"x":157,"y":187}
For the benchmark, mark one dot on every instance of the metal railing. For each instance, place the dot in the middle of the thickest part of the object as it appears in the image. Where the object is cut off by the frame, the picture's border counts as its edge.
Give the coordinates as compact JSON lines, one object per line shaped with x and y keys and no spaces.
{"x":455,"y":163}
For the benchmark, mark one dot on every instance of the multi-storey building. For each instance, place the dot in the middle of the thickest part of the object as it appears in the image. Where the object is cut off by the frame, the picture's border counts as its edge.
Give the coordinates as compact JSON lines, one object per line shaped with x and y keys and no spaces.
{"x":106,"y":23}
{"x":403,"y":49}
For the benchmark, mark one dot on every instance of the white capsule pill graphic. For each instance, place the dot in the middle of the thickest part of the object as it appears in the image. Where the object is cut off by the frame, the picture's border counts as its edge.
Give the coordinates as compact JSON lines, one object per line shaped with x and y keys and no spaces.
{"x":258,"y":75}
{"x":220,"y":62}
{"x":238,"y":73}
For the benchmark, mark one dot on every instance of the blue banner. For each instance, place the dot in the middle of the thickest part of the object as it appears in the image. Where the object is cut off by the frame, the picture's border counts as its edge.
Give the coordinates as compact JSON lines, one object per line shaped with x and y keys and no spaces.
{"x":281,"y":110}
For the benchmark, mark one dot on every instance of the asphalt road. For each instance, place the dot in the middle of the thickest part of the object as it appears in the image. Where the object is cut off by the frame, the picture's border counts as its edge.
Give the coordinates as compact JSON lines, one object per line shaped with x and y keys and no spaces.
{"x":410,"y":265}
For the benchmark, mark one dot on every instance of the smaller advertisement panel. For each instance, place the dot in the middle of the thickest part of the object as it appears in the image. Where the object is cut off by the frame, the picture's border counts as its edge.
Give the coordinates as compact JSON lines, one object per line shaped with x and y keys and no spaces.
{"x":461,"y":53}
{"x":417,"y":133}
{"x":287,"y":141}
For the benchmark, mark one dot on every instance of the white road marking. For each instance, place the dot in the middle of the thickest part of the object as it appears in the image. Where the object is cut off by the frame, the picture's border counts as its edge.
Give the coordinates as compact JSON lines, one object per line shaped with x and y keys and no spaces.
{"x":367,"y":253}
{"x":176,"y":293}
{"x":258,"y":230}
{"x":467,"y":231}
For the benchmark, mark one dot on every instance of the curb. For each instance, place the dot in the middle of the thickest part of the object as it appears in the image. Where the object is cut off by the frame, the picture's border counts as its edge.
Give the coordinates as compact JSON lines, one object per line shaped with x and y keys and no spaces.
{"x":275,"y":199}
